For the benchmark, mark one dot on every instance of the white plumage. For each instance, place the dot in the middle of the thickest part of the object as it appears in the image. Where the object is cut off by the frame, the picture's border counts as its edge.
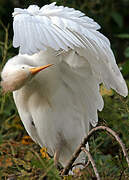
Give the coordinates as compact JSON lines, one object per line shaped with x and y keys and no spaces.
{"x":58,"y":104}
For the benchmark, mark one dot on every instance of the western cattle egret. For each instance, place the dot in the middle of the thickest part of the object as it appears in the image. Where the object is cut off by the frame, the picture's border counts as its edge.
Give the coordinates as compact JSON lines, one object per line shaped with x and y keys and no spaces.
{"x":56,"y":75}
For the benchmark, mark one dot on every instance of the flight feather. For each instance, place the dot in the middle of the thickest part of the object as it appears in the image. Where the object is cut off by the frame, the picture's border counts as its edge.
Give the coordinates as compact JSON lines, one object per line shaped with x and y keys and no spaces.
{"x":63,"y":28}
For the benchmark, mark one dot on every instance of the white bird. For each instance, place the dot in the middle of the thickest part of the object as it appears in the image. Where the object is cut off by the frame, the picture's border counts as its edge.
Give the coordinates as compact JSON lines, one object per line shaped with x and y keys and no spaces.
{"x":58,"y":104}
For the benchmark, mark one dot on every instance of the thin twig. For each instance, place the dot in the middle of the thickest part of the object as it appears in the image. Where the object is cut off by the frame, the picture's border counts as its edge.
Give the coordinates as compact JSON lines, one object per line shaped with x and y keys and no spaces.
{"x":1,"y":43}
{"x":82,"y":164}
{"x":5,"y":44}
{"x":12,"y":149}
{"x":87,"y":164}
{"x":78,"y":164}
{"x":2,"y":24}
{"x":92,"y":162}
{"x":86,"y":139}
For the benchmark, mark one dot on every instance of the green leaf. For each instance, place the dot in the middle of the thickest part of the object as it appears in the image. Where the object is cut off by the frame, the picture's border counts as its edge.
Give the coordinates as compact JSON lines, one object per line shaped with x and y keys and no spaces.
{"x":126,"y":53}
{"x":123,"y":36}
{"x":125,"y":69}
{"x":34,"y":162}
{"x":118,"y":19}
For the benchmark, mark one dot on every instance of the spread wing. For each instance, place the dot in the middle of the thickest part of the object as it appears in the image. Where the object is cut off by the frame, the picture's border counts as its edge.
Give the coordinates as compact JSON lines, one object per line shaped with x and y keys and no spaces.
{"x":36,"y":29}
{"x":63,"y":28}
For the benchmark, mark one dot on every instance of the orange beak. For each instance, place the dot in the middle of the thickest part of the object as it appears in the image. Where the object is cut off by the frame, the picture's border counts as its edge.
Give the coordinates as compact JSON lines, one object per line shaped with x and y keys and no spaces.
{"x":38,"y":69}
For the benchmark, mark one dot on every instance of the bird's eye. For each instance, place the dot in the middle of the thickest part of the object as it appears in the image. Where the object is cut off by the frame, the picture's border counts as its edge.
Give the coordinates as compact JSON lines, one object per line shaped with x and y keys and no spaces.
{"x":23,"y":67}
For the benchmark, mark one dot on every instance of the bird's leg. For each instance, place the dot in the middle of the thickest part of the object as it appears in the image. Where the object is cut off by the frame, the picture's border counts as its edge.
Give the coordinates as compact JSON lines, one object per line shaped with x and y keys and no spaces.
{"x":57,"y":155}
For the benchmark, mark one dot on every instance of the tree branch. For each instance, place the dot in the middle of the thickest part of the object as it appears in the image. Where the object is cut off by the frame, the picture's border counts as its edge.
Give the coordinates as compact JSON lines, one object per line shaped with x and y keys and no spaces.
{"x":92,"y":162}
{"x":86,"y":139}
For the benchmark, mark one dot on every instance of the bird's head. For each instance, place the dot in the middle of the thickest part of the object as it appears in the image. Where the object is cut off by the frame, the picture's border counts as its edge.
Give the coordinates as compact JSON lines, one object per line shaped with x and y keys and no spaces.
{"x":16,"y":76}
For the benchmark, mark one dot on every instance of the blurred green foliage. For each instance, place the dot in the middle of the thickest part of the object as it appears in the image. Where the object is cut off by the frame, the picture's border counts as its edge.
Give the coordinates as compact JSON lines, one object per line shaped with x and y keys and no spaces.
{"x":113,"y":16}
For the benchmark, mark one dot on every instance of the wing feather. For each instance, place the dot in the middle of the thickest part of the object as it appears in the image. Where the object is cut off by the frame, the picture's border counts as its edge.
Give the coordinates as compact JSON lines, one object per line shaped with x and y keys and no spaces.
{"x":63,"y":28}
{"x":43,"y":20}
{"x":104,"y":66}
{"x":15,"y":42}
{"x":68,"y":40}
{"x":62,"y":42}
